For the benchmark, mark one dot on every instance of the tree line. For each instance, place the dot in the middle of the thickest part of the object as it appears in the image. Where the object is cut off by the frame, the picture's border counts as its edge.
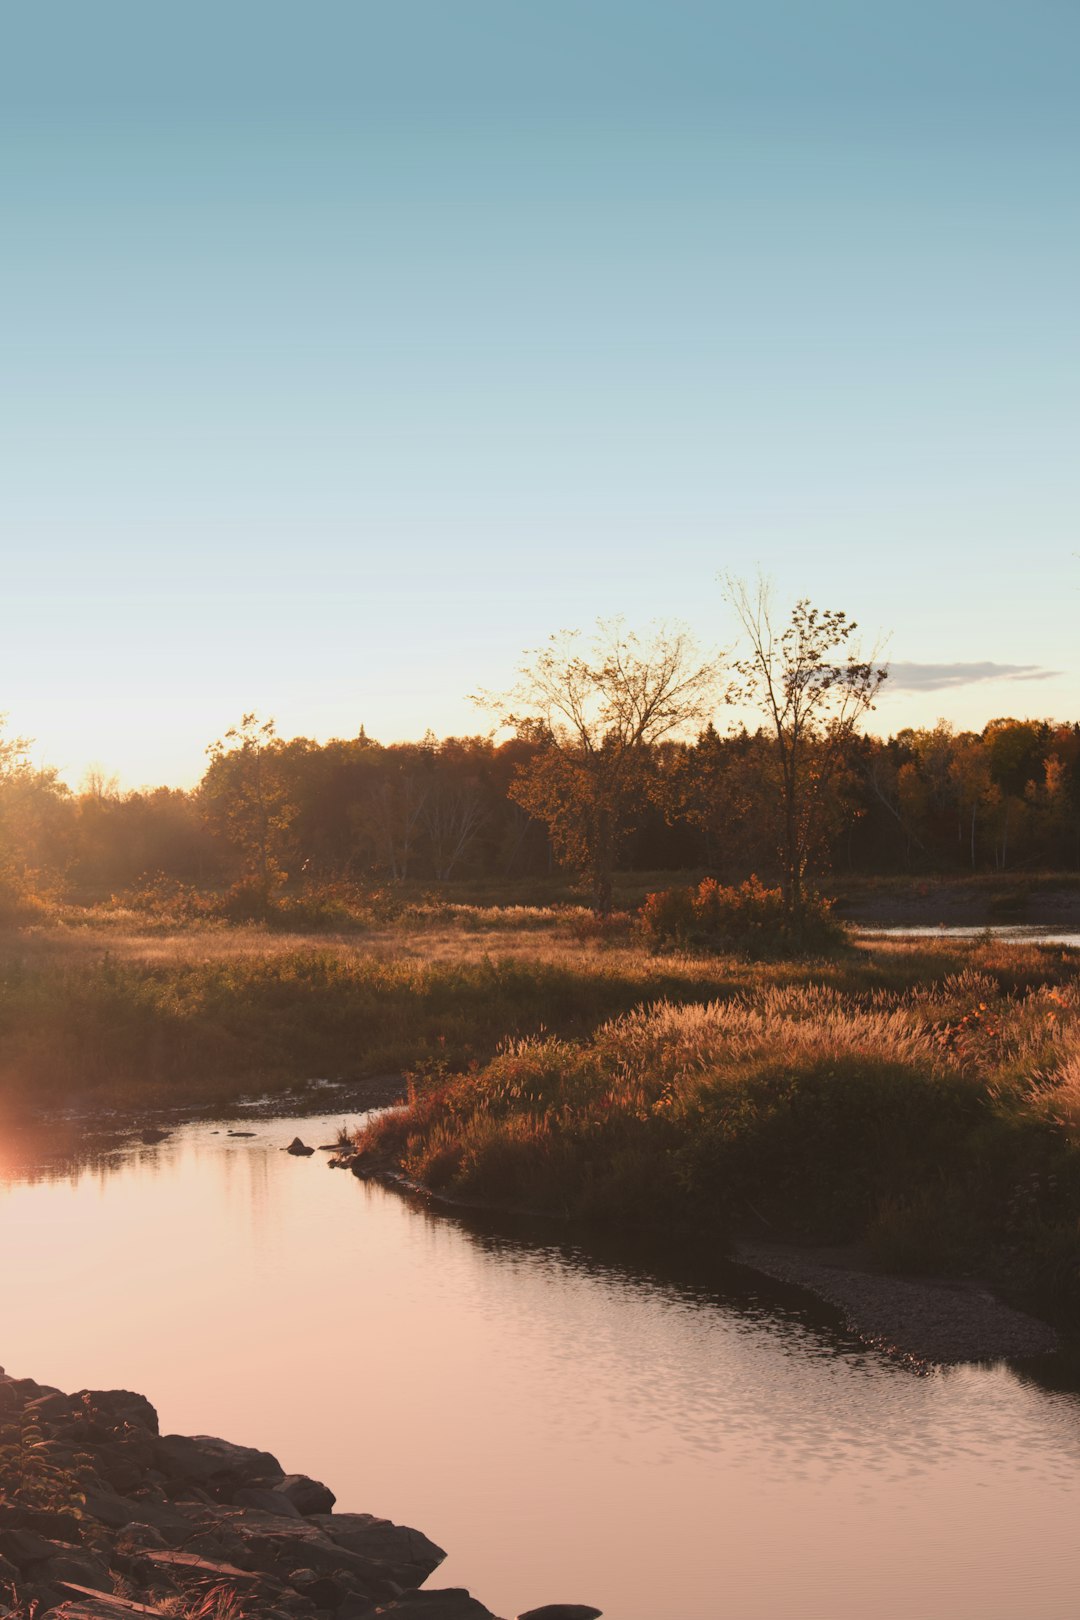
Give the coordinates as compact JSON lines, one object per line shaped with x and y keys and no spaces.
{"x":618,"y":757}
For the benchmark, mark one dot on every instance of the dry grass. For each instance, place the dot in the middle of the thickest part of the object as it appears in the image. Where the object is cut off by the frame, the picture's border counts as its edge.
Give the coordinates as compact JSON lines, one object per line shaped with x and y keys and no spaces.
{"x":927,"y":1103}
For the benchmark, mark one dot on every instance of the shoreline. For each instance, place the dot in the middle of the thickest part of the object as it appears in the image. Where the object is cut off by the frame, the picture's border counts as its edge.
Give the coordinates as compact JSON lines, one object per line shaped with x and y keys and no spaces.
{"x":933,"y":1319}
{"x":927,"y":1318}
{"x":103,"y":1518}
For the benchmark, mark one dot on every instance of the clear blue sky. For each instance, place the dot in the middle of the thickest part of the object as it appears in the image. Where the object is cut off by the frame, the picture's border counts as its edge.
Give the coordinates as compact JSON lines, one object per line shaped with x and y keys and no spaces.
{"x":350,"y":348}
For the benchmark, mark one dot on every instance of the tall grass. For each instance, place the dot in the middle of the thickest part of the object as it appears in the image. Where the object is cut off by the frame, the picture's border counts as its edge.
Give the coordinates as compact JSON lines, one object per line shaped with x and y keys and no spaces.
{"x":129,"y":1019}
{"x":937,"y":1121}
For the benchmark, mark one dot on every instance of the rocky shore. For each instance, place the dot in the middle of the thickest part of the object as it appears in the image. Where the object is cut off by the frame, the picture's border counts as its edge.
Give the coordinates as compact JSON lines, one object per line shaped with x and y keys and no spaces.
{"x":926,"y":1319}
{"x":104,"y":1518}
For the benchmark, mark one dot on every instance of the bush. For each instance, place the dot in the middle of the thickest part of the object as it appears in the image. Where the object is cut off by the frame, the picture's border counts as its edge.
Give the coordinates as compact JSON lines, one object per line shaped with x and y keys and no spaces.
{"x":748,"y":919}
{"x":19,"y":904}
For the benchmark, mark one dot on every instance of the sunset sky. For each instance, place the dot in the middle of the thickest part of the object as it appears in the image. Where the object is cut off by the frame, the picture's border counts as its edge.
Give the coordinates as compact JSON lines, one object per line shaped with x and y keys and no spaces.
{"x":351,"y":348}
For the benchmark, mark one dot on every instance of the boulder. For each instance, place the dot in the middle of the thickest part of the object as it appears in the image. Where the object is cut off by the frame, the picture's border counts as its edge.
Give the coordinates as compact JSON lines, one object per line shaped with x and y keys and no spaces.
{"x":121,"y":1406}
{"x":202,"y":1459}
{"x":117,"y":1512}
{"x":308,"y":1495}
{"x":73,"y":1564}
{"x":562,"y":1611}
{"x":25,"y":1546}
{"x":44,"y":1408}
{"x":54,"y":1526}
{"x":449,"y":1603}
{"x":267,"y":1499}
{"x":296,"y":1147}
{"x":29,"y":1389}
{"x":136,"y":1538}
{"x":395,"y":1545}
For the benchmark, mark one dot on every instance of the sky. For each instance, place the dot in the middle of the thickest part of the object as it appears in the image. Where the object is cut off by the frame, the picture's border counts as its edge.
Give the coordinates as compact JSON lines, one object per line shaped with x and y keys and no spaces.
{"x":351,"y":349}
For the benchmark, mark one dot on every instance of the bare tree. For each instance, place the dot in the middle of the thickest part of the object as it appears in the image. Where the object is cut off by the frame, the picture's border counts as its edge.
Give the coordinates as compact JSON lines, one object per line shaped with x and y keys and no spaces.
{"x":595,"y":707}
{"x":453,"y":814}
{"x":813,"y":688}
{"x":391,"y":812}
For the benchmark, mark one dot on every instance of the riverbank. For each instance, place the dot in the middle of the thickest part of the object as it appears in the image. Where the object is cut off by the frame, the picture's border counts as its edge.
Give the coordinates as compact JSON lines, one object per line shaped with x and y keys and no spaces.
{"x":92,"y":1020}
{"x":931,"y":1320}
{"x":936,"y":1124}
{"x":1048,"y":900}
{"x":940,"y":1320}
{"x":104,"y":1518}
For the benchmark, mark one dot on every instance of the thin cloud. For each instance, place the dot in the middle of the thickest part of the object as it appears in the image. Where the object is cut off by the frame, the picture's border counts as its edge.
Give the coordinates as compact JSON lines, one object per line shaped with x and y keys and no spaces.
{"x":935,"y":677}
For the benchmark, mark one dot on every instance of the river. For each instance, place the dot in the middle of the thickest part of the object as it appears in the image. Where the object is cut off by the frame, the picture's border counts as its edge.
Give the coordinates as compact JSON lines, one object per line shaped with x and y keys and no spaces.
{"x":670,"y":1442}
{"x":1008,"y":933}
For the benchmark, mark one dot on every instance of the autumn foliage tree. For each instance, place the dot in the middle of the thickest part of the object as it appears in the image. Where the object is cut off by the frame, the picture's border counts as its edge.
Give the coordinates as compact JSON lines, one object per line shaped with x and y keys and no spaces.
{"x":811,"y":686}
{"x":595,"y":710}
{"x":245,"y":796}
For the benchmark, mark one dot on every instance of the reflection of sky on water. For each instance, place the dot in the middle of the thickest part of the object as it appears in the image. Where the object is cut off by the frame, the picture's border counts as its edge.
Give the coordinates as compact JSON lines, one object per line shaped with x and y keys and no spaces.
{"x":569,"y":1423}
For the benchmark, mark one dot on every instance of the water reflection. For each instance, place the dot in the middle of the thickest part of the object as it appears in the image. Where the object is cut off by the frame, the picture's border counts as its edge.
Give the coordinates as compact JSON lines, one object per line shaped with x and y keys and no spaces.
{"x":664,"y":1436}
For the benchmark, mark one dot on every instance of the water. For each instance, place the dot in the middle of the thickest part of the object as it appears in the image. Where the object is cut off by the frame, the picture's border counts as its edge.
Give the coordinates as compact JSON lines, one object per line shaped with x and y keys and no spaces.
{"x":669,"y":1445}
{"x":1021,"y":933}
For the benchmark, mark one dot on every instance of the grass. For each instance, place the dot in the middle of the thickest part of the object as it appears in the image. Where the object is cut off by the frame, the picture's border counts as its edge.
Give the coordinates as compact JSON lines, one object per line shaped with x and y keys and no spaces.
{"x":924,"y":1103}
{"x":100,"y":1016}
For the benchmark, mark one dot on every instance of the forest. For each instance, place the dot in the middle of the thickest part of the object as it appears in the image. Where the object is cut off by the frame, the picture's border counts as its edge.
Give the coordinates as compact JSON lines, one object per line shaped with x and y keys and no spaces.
{"x":291,"y":815}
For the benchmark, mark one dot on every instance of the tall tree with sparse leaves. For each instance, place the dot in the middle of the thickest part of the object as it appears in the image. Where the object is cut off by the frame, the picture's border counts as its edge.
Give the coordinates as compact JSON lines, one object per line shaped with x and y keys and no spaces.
{"x":595,"y":709}
{"x":808,"y":680}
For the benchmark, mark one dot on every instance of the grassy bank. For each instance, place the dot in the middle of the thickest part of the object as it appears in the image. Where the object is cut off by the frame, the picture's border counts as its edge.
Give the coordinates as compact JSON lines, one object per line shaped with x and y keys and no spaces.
{"x":127,"y":1018}
{"x":123,"y":1018}
{"x":925,"y":1103}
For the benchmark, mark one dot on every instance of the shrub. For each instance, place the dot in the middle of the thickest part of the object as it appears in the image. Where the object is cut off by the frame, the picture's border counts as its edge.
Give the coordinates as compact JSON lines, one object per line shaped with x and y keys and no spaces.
{"x":748,"y":919}
{"x":19,"y":903}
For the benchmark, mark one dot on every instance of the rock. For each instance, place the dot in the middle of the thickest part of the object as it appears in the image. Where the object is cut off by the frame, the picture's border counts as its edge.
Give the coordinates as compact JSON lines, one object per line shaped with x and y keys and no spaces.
{"x":395,"y":1545}
{"x":103,"y":1607}
{"x":355,"y":1607}
{"x":291,"y":1545}
{"x":135,"y":1538}
{"x":268,"y":1499}
{"x":121,"y":1468}
{"x":47,"y":1407}
{"x":189,"y":1563}
{"x":296,"y":1147}
{"x":29,"y":1390}
{"x":325,"y":1591}
{"x":40,"y":1597}
{"x":240,"y":1133}
{"x":117,"y":1512}
{"x":562,"y":1611}
{"x":74,"y":1564}
{"x":172,"y":1515}
{"x":308,"y":1495}
{"x":449,"y":1603}
{"x":25,"y":1546}
{"x":122,"y":1405}
{"x":54,"y":1526}
{"x":202,"y":1459}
